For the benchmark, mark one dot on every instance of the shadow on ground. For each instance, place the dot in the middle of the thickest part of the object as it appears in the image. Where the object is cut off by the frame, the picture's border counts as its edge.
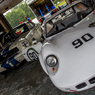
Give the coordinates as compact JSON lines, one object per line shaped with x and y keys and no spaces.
{"x":30,"y":79}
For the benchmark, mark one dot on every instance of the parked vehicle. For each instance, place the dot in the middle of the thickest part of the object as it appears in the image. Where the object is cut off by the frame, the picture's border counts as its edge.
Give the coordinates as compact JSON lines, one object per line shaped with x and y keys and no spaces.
{"x":12,"y":54}
{"x":67,"y":54}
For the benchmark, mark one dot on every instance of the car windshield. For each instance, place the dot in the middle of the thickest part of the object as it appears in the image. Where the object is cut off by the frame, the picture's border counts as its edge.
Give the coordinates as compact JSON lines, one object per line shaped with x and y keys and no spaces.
{"x":67,"y":19}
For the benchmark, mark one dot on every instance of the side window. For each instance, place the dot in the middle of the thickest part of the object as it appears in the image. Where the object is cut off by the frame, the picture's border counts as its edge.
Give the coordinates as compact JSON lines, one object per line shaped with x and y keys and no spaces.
{"x":54,"y":28}
{"x":48,"y":27}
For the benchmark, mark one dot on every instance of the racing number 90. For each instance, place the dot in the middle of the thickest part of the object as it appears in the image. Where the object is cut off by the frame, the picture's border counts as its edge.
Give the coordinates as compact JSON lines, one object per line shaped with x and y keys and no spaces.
{"x":87,"y":37}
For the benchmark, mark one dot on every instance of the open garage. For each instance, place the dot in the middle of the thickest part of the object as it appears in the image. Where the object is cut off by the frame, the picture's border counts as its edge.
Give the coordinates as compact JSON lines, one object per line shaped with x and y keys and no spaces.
{"x":52,"y":57}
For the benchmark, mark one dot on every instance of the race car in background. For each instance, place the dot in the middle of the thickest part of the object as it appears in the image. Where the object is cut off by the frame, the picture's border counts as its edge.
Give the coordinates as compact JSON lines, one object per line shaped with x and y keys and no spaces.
{"x":32,"y":43}
{"x":12,"y":54}
{"x":68,"y":52}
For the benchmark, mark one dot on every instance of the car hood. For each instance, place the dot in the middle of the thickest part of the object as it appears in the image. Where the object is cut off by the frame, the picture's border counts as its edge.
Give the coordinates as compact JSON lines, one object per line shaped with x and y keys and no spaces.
{"x":75,"y":64}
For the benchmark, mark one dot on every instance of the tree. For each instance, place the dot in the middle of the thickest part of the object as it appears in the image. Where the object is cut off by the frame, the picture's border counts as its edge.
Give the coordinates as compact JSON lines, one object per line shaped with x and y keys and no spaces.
{"x":18,"y":13}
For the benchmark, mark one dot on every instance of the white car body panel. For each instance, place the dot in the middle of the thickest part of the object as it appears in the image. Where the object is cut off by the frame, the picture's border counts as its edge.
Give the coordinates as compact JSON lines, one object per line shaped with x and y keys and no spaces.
{"x":37,"y":48}
{"x":76,"y":65}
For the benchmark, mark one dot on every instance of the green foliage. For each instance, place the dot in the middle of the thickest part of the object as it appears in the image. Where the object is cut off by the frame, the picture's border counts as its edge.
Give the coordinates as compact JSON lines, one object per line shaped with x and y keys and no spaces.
{"x":18,"y":13}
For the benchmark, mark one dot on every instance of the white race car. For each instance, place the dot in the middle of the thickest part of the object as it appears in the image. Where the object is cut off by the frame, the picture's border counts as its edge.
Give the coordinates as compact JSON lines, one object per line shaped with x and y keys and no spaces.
{"x":12,"y":54}
{"x":68,"y":53}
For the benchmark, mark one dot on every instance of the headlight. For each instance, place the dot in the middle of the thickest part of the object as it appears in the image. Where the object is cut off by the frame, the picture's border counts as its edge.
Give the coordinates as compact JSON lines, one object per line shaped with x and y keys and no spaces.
{"x":25,"y":44}
{"x":51,"y":60}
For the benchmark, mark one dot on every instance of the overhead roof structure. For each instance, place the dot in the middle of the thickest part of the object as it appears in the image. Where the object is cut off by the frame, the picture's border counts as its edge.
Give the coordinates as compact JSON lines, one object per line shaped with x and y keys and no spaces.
{"x":5,"y":5}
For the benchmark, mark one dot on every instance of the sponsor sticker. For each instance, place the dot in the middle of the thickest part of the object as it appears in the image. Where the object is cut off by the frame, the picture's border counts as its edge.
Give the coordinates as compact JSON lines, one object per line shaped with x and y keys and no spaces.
{"x":32,"y":54}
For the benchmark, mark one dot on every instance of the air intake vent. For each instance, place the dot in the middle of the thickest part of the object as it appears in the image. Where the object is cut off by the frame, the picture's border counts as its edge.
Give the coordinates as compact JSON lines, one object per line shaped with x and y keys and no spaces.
{"x":92,"y":80}
{"x":82,"y":85}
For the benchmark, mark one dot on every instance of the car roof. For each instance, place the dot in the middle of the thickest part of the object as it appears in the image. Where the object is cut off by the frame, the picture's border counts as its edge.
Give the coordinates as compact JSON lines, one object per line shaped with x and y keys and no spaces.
{"x":67,"y":7}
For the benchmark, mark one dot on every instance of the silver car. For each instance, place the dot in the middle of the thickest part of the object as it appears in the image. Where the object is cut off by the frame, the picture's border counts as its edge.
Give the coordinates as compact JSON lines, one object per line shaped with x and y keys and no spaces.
{"x":68,"y":53}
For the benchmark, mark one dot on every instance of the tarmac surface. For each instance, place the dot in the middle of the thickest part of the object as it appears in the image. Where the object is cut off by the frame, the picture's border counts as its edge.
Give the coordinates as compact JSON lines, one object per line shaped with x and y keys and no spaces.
{"x":30,"y":79}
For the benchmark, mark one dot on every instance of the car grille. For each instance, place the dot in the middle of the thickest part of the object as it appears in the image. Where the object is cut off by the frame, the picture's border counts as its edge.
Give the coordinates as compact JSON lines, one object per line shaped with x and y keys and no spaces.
{"x":82,"y":85}
{"x":92,"y":80}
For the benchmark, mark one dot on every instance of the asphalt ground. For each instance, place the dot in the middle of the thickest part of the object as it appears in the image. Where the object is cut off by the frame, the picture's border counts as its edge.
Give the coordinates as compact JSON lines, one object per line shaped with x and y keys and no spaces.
{"x":30,"y":79}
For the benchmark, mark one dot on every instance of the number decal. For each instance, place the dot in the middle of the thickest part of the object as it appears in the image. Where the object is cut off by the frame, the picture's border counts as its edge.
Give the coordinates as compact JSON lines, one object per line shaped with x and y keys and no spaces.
{"x":85,"y":38}
{"x":32,"y":54}
{"x":77,"y":43}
